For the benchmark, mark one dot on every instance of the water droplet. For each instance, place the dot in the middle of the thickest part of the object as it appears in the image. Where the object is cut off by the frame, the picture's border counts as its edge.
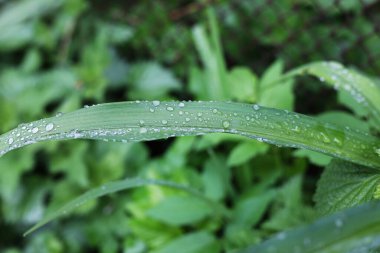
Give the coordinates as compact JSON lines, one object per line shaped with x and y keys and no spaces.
{"x":281,"y":236}
{"x":169,"y":108}
{"x":151,"y":109}
{"x":187,"y":119}
{"x":338,"y":141}
{"x":256,"y":107}
{"x":143,"y":130}
{"x":59,"y":114}
{"x":214,"y":110}
{"x":226,"y":124}
{"x":338,"y":223}
{"x":164,"y":122}
{"x":141,"y":122}
{"x":181,"y":104}
{"x":156,"y":103}
{"x":10,"y":141}
{"x":296,"y":129}
{"x":49,"y":127}
{"x":199,"y":114}
{"x":180,"y":112}
{"x":35,"y":130}
{"x":325,"y":138}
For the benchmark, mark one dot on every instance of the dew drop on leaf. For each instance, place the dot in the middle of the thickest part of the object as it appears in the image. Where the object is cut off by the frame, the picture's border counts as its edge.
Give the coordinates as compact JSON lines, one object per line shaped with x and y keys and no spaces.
{"x":156,"y":103}
{"x":256,"y":107}
{"x":181,"y":104}
{"x":169,"y":108}
{"x":10,"y":141}
{"x":164,"y":122}
{"x":35,"y":130}
{"x":226,"y":124}
{"x":338,"y":223}
{"x":49,"y":127}
{"x":143,"y":130}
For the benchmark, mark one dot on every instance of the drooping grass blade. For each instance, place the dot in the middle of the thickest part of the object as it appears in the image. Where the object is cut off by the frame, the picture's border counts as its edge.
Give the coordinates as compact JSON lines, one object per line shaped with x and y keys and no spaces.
{"x":115,"y":187}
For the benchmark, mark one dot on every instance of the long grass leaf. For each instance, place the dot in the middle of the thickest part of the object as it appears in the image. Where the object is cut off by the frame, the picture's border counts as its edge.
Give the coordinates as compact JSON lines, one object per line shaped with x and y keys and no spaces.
{"x":361,"y":88}
{"x":115,"y":187}
{"x":141,"y":121}
{"x":352,"y":230}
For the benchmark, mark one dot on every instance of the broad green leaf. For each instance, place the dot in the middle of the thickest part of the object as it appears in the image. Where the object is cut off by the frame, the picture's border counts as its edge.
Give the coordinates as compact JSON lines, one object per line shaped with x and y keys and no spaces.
{"x":347,"y":231}
{"x":314,"y":157}
{"x":361,"y":88}
{"x":180,"y":210}
{"x":280,"y":96}
{"x":216,"y":178}
{"x":107,"y":189}
{"x":344,"y":184}
{"x":277,"y":96}
{"x":242,"y":84}
{"x":245,"y":151}
{"x":198,"y":242}
{"x":249,"y":211}
{"x":141,"y":121}
{"x":150,"y":80}
{"x":273,"y":73}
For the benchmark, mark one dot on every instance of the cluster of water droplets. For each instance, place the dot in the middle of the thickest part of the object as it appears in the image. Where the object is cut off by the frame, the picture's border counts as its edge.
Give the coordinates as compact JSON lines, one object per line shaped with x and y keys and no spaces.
{"x":344,"y":79}
{"x":26,"y":134}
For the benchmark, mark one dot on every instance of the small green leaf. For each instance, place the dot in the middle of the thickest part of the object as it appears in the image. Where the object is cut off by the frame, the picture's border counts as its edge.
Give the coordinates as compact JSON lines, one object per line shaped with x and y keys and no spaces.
{"x":249,"y":211}
{"x":272,"y":74}
{"x":150,"y":80}
{"x":344,"y":185}
{"x":245,"y":151}
{"x":216,"y":178}
{"x":242,"y":84}
{"x":180,"y":210}
{"x":199,"y":242}
{"x":314,"y":157}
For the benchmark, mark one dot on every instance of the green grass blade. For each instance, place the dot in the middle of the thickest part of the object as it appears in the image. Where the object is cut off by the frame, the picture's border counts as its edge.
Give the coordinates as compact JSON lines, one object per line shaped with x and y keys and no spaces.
{"x":115,"y":187}
{"x":141,"y":121}
{"x":361,"y":88}
{"x":348,"y":231}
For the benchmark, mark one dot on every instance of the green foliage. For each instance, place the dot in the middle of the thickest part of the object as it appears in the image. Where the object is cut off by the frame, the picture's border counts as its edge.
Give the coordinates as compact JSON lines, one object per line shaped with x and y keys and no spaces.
{"x":226,"y":192}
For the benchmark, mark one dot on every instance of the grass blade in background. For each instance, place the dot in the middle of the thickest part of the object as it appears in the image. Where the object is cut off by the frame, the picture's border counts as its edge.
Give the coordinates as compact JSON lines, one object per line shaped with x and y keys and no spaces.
{"x":141,"y":121}
{"x":361,"y":88}
{"x":115,"y":187}
{"x":352,"y":230}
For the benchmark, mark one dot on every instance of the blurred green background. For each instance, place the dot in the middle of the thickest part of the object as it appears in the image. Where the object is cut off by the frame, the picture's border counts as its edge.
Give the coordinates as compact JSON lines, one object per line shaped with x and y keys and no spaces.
{"x":59,"y":55}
